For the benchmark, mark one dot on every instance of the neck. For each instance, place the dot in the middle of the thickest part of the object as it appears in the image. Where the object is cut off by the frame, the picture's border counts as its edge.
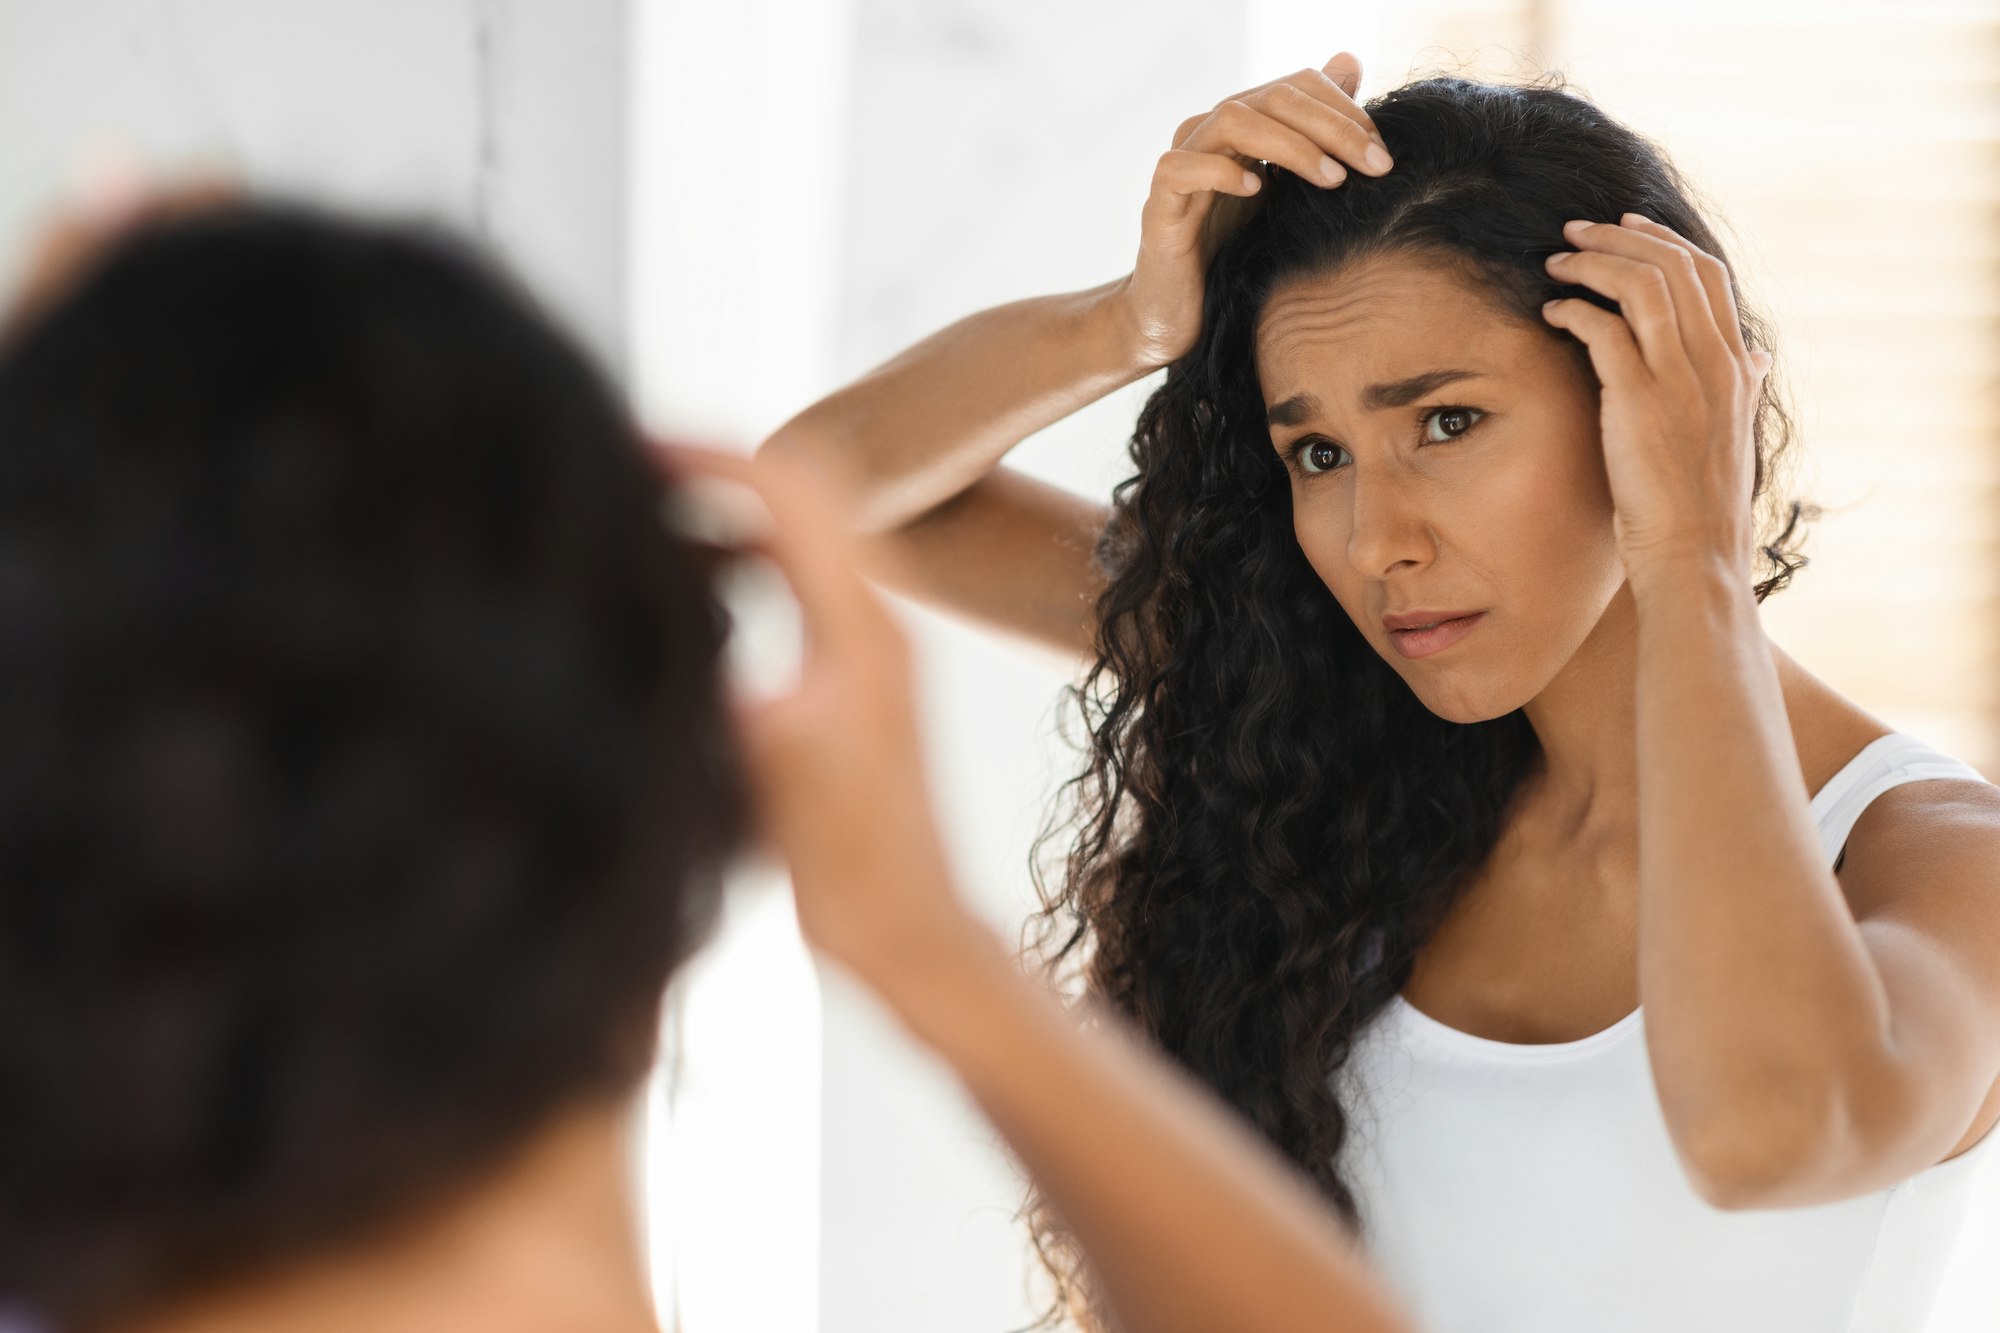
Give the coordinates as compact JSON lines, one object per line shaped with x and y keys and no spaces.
{"x":546,"y":1242}
{"x":1587,"y":720}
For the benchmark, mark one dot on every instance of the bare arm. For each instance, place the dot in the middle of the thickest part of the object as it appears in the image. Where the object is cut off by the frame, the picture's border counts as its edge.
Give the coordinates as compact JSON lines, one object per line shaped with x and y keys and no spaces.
{"x":917,"y":443}
{"x":1187,"y":1219}
{"x":1811,"y":1040}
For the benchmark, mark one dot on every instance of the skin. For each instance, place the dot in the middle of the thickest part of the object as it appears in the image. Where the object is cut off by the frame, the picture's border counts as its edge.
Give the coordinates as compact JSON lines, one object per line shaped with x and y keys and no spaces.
{"x":1814,"y":1035}
{"x":1511,"y":516}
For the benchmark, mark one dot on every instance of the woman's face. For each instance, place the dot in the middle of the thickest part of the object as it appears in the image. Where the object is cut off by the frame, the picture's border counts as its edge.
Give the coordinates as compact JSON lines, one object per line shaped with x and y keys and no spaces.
{"x":1444,"y":456}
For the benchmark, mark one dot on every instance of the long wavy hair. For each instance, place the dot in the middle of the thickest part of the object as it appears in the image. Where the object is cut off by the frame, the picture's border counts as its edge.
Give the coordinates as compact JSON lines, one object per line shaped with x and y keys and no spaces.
{"x":1270,"y":824}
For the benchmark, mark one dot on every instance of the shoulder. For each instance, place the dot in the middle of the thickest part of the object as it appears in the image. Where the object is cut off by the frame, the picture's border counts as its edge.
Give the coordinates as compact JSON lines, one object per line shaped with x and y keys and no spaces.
{"x":1925,"y":851}
{"x":1928,"y":843}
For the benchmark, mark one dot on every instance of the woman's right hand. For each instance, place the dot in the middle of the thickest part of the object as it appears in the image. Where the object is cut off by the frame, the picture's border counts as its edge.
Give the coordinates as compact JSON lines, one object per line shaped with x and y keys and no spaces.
{"x":1208,"y":183}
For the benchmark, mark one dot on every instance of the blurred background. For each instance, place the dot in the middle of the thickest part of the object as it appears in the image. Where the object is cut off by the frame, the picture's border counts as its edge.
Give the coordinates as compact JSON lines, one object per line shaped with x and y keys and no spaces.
{"x":740,"y":205}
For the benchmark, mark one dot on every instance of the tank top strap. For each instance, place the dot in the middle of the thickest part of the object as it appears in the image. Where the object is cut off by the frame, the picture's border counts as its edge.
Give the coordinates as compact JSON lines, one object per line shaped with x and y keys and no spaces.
{"x":1885,"y":762}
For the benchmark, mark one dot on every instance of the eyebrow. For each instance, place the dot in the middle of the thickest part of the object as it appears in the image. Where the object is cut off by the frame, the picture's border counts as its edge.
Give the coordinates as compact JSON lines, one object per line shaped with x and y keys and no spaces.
{"x":1396,"y":393}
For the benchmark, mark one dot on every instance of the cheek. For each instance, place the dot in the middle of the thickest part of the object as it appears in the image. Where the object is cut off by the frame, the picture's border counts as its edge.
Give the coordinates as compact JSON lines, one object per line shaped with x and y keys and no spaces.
{"x":1538,"y":504}
{"x":1323,"y":540}
{"x":1572,"y":490}
{"x":1324,"y":546}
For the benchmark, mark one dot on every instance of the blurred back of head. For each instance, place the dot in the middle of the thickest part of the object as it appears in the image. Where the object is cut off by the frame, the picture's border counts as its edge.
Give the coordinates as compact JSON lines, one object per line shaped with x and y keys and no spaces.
{"x":363,"y":766}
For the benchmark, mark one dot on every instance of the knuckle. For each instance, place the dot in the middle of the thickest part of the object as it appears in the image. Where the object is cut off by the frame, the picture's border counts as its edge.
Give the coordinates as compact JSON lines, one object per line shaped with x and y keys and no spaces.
{"x":1235,"y":114}
{"x":1174,"y":167}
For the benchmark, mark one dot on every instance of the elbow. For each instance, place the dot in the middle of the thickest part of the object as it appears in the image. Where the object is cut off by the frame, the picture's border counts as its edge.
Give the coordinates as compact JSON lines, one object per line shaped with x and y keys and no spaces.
{"x":816,"y":436}
{"x":1756,"y":1158}
{"x":791,"y":442}
{"x":811,"y":443}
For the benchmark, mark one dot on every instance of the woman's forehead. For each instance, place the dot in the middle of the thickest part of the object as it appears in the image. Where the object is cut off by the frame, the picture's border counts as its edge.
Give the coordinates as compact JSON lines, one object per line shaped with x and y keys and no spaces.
{"x":1334,"y":337}
{"x":1396,"y":296}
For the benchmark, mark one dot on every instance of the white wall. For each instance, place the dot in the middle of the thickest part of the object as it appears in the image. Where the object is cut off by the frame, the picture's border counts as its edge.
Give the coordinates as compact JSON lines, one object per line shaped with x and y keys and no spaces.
{"x":504,"y":116}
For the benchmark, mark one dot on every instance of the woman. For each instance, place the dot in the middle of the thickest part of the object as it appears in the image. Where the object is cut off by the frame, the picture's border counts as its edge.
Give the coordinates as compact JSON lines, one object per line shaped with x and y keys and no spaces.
{"x":368,"y":770}
{"x":1432,"y":727}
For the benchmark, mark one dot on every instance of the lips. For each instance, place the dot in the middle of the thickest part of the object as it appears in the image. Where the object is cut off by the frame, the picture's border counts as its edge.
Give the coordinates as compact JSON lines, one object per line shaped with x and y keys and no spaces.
{"x":1421,"y":619}
{"x":1422,"y":641}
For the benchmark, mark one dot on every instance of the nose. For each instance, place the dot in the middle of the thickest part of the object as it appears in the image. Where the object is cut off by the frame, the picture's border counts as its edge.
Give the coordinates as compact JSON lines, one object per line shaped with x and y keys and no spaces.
{"x":1385,"y":528}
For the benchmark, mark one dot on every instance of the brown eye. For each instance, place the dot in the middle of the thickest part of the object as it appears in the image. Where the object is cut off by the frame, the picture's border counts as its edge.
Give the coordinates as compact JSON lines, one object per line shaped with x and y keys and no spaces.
{"x":1319,"y":456}
{"x":1453,"y":421}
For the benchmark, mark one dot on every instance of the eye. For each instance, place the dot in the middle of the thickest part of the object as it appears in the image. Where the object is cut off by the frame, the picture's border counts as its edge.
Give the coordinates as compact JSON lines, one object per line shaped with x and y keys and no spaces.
{"x":1453,"y":421}
{"x":1315,"y":456}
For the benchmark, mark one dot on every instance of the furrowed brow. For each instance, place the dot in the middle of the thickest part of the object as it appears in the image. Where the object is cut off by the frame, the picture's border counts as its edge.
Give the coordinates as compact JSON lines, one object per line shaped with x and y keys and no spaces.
{"x":1302,"y":407}
{"x":1401,"y":393}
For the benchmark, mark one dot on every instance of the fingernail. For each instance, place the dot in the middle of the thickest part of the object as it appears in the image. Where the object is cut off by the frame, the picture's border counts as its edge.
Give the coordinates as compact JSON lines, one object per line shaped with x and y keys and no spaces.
{"x":1331,"y":170}
{"x":1559,"y":256}
{"x":1635,"y":217}
{"x":1378,"y":158}
{"x":1252,"y":181}
{"x":1575,"y":225}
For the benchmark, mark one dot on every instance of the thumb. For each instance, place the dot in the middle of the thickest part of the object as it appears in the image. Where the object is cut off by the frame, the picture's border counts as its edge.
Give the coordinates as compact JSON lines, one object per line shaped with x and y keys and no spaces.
{"x":1345,"y":70}
{"x":757,"y":726}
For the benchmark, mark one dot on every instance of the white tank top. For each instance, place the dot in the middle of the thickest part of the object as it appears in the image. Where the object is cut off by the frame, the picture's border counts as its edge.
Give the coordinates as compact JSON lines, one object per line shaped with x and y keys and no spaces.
{"x":1513,"y":1188}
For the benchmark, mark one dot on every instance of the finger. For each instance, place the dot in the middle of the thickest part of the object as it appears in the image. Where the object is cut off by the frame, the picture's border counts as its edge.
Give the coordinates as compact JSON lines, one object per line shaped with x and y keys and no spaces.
{"x":1703,"y":335}
{"x":1241,"y":129}
{"x":1703,"y":342}
{"x":1342,"y":137}
{"x":1324,"y":85}
{"x":817,"y":556}
{"x":59,"y":257}
{"x":763,"y":726}
{"x":1645,"y":300}
{"x":1320,"y":83}
{"x":1182,"y":179}
{"x":1345,"y":70}
{"x":104,"y":210}
{"x":1715,"y":280}
{"x":1613,"y":352}
{"x":196,"y":195}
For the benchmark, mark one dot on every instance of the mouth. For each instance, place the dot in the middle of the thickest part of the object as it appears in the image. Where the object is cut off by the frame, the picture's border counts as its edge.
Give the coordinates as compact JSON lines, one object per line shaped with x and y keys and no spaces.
{"x":1435,"y":636}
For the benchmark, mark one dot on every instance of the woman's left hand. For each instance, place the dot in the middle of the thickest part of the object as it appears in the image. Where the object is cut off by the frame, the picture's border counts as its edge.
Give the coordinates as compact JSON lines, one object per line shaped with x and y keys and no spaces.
{"x":1680,"y":390}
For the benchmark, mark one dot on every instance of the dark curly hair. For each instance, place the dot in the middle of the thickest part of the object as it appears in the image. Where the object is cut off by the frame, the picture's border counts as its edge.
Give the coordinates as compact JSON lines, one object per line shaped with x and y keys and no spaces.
{"x":363,"y":765}
{"x":1270,"y":823}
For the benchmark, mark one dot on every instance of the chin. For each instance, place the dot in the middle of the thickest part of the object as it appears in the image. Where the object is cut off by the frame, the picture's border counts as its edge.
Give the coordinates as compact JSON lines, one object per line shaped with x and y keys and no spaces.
{"x":1479,"y":702}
